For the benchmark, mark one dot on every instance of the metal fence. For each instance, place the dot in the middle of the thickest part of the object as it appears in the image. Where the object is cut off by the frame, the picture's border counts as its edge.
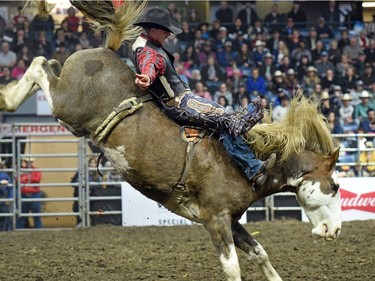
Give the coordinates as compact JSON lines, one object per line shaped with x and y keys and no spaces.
{"x":90,"y":196}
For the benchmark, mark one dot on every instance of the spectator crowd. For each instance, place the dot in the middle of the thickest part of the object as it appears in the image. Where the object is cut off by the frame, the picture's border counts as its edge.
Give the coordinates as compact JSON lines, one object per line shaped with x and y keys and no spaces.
{"x":239,"y":57}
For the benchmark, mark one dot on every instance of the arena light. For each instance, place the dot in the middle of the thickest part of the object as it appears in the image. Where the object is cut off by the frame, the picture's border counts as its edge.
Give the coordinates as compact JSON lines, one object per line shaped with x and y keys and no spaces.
{"x":368,"y":5}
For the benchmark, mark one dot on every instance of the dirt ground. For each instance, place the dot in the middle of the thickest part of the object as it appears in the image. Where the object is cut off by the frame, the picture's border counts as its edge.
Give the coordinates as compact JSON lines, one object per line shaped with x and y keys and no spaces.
{"x":183,"y":253}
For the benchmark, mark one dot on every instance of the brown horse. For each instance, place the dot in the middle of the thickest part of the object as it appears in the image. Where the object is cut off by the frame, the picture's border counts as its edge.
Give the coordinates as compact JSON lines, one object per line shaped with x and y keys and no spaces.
{"x":146,"y":149}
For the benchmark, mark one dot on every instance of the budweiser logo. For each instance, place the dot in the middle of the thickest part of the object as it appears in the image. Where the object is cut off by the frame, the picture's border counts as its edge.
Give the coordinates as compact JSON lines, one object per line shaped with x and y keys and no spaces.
{"x":360,"y":201}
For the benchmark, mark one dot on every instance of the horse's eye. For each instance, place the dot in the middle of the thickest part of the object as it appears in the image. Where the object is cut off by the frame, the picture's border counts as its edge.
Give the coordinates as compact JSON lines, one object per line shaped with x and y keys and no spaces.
{"x":335,"y":187}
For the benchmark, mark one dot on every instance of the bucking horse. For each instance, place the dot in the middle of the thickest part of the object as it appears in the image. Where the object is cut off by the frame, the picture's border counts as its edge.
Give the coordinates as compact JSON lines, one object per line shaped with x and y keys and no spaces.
{"x":94,"y":95}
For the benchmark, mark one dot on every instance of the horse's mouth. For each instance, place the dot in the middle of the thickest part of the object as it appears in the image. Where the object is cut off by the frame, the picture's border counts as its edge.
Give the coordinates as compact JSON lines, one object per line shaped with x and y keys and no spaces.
{"x":324,"y":233}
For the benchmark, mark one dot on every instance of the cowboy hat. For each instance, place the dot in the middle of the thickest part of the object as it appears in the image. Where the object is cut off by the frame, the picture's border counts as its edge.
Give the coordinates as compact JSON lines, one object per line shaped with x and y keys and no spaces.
{"x":311,"y":69}
{"x":259,"y":43}
{"x":325,"y":95}
{"x":346,"y":97}
{"x":2,"y":162}
{"x":364,"y":94}
{"x":158,"y":17}
{"x":28,"y":158}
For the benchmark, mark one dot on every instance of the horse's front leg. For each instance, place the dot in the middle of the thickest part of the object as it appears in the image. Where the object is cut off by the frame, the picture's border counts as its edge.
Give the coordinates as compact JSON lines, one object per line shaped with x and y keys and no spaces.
{"x":244,"y":241}
{"x":222,"y":238}
{"x":38,"y":75}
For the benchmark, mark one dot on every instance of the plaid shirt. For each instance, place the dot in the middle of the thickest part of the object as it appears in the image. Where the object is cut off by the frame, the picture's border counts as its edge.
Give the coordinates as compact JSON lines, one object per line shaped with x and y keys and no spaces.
{"x":150,"y":62}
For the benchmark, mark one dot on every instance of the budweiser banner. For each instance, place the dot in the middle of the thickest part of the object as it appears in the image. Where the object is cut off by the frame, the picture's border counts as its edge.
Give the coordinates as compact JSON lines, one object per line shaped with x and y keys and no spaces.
{"x":357,"y":199}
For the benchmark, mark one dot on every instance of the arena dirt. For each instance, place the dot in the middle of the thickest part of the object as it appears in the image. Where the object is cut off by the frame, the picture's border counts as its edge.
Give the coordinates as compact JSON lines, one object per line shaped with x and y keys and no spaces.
{"x":107,"y":253}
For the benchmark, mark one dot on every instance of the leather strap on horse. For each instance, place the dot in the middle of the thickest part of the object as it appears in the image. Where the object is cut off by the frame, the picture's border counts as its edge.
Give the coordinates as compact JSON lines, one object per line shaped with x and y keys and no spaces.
{"x":192,"y":136}
{"x":126,"y":108}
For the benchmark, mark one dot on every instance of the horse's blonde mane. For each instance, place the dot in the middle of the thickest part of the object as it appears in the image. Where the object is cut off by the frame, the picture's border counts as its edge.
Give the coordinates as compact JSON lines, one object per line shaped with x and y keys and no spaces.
{"x":303,"y":128}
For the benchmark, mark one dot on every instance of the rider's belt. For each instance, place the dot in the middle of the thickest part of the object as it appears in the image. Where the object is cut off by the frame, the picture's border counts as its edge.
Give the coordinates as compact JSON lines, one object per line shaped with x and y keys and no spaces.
{"x":175,"y":102}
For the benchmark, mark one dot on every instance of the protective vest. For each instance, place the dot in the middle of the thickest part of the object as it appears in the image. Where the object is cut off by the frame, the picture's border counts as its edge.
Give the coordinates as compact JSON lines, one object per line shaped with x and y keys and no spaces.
{"x":168,"y":85}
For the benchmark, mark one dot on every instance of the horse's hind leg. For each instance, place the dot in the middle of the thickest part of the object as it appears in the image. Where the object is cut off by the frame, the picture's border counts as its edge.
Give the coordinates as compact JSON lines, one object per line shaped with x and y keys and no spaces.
{"x":244,"y":241}
{"x":222,"y":238}
{"x":38,"y":75}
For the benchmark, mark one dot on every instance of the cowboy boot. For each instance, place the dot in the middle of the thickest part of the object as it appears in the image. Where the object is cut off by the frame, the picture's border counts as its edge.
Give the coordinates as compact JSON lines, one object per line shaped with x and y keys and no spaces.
{"x":261,"y":177}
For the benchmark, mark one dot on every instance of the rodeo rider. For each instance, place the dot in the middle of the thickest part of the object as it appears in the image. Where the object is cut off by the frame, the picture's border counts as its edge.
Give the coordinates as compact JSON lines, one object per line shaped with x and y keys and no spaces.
{"x":156,"y":73}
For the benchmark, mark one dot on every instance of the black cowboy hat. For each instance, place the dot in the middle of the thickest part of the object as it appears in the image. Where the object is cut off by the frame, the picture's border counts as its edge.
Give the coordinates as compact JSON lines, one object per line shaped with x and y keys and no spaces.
{"x":158,"y":17}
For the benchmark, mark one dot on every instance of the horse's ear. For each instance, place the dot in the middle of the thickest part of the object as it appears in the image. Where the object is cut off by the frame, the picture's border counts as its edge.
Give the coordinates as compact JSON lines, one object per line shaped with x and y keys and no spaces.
{"x":333,"y":158}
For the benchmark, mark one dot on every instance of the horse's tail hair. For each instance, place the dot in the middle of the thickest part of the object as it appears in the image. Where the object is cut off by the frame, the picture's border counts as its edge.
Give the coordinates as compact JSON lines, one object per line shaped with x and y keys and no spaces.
{"x":42,"y":7}
{"x":116,"y":22}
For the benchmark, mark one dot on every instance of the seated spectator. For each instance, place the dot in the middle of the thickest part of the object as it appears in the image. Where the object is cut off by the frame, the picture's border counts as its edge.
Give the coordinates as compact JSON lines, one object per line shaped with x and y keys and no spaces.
{"x":281,"y":52}
{"x":368,"y":76}
{"x":280,"y":111}
{"x":190,"y":57}
{"x":274,"y":18}
{"x":298,"y":15}
{"x":360,"y":63}
{"x":195,"y":78}
{"x":273,"y":43}
{"x":349,"y":83}
{"x":238,"y":27}
{"x":61,"y":53}
{"x":186,"y":36}
{"x":301,"y":67}
{"x":214,"y":32}
{"x":323,"y":65}
{"x":287,"y":30}
{"x":317,"y":92}
{"x":370,"y":27}
{"x":204,"y":28}
{"x":19,"y":70}
{"x":344,"y":39}
{"x":19,"y":41}
{"x":335,"y":99}
{"x":317,"y":52}
{"x":353,"y":49}
{"x":234,"y":80}
{"x":220,"y":40}
{"x":237,"y":96}
{"x":84,"y":40}
{"x":6,"y":192}
{"x":346,"y":113}
{"x":72,"y":20}
{"x":367,"y":157}
{"x":291,"y":81}
{"x":198,"y":39}
{"x":312,"y":38}
{"x":323,"y":31}
{"x":259,"y":52}
{"x":285,"y":64}
{"x":256,"y":83}
{"x":277,"y":99}
{"x":41,"y":46}
{"x":363,"y":40}
{"x":325,"y":107}
{"x":342,"y":66}
{"x":368,"y":124}
{"x":40,"y":24}
{"x":293,"y":41}
{"x":212,"y":74}
{"x":331,"y":14}
{"x":244,"y":59}
{"x":354,"y":15}
{"x":97,"y":39}
{"x":6,"y":77}
{"x":329,"y":80}
{"x":370,"y":52}
{"x":193,"y":17}
{"x":7,"y":56}
{"x":239,"y":41}
{"x":227,"y":56}
{"x":277,"y":81}
{"x":19,"y":20}
{"x":200,"y":91}
{"x":204,"y":52}
{"x":224,"y":103}
{"x":334,"y":53}
{"x":334,"y":124}
{"x":257,"y":29}
{"x":26,"y":55}
{"x":361,"y":109}
{"x":223,"y":92}
{"x":300,"y":51}
{"x":247,"y":14}
{"x":224,"y":14}
{"x":267,"y":68}
{"x":310,"y":79}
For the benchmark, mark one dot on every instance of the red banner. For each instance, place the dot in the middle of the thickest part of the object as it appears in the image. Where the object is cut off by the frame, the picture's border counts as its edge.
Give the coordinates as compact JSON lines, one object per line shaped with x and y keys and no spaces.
{"x":357,"y":201}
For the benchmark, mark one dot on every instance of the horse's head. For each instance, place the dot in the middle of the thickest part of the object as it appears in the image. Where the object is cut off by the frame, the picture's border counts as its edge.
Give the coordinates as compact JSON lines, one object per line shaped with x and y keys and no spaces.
{"x":318,"y":193}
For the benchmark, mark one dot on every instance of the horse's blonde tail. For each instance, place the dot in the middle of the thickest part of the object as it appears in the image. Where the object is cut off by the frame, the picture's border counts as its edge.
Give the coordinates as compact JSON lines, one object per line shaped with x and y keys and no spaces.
{"x":117,"y":23}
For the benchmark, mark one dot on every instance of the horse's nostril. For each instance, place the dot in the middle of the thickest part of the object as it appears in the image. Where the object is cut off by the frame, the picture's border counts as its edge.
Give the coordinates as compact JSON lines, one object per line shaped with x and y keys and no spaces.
{"x":338,"y":231}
